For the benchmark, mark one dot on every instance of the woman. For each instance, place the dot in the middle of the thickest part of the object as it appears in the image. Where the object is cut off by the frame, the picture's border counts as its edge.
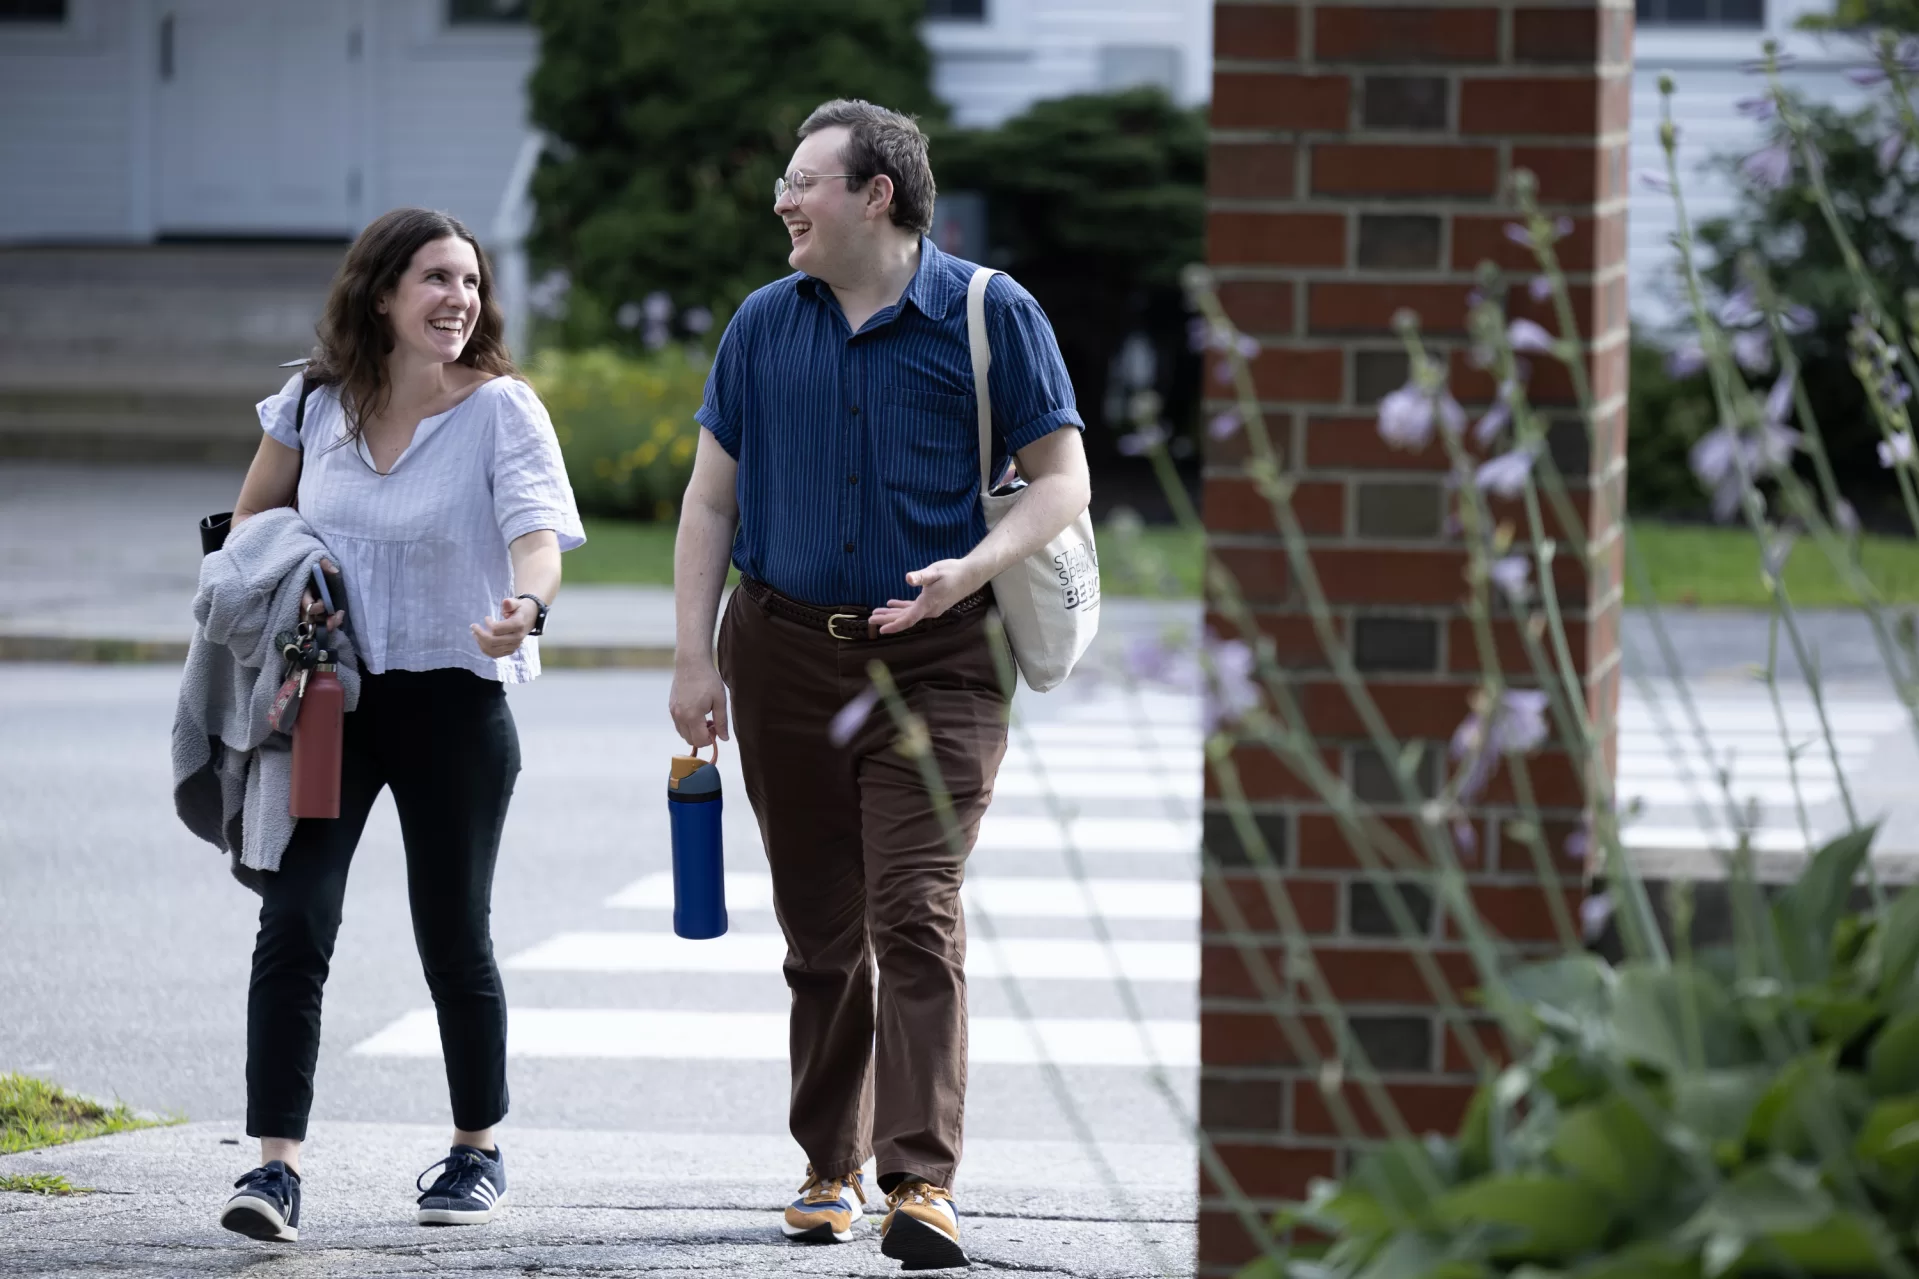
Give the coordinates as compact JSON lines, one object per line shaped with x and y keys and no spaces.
{"x":432,"y":473}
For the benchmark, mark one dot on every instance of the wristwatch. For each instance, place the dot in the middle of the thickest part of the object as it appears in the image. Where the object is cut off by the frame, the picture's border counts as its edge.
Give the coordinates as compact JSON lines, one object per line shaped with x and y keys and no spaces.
{"x":539,"y":623}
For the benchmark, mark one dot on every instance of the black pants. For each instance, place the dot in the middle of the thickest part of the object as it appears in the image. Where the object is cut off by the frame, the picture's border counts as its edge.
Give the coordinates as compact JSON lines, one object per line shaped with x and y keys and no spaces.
{"x":444,"y":741}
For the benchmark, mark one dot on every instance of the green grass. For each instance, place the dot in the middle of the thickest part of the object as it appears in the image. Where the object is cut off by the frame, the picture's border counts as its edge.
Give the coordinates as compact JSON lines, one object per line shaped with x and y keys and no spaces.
{"x":1709,"y":567}
{"x":41,"y":1183}
{"x":1690,"y":565}
{"x":35,"y":1113}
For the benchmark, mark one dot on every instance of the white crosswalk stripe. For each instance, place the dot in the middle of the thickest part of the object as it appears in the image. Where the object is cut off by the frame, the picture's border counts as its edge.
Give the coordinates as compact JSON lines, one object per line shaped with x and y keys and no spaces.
{"x":1126,"y":775}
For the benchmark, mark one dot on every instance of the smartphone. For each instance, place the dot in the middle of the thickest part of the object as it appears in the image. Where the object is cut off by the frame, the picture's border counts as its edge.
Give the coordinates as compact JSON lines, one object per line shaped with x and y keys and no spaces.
{"x":331,"y":588}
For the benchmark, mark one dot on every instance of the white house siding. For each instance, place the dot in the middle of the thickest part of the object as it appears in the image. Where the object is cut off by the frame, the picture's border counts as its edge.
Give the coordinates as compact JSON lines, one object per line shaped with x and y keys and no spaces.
{"x":71,"y":167}
{"x":1708,"y":82}
{"x":1029,"y":50}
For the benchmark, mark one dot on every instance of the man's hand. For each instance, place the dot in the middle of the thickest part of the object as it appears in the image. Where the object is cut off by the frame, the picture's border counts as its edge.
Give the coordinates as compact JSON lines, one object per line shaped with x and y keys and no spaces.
{"x":502,"y":638}
{"x":942,"y":585}
{"x":314,"y":611}
{"x":697,"y":703}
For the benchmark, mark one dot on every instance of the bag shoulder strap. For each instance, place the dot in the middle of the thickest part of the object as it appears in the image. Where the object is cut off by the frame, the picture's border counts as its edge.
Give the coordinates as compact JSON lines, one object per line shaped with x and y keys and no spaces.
{"x":982,"y":361}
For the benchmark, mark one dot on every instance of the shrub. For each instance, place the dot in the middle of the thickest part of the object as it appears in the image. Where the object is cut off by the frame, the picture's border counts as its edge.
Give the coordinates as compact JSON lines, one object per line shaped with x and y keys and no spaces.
{"x":1664,"y":417}
{"x":625,"y":424}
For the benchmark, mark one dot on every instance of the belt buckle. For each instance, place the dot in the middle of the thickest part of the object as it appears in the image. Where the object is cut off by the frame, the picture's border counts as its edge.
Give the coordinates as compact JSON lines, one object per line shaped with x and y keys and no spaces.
{"x":832,"y":626}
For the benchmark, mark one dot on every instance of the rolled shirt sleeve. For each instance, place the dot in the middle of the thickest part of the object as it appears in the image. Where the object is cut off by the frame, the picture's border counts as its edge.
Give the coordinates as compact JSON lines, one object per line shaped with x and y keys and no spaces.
{"x":530,"y":488}
{"x":719,"y":411}
{"x":277,"y":412}
{"x":1032,"y":394}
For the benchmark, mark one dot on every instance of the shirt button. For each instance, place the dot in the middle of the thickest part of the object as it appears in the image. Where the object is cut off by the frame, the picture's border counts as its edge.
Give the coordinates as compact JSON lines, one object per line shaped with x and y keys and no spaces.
{"x":856,"y":410}
{"x":849,"y":546}
{"x":852,"y":479}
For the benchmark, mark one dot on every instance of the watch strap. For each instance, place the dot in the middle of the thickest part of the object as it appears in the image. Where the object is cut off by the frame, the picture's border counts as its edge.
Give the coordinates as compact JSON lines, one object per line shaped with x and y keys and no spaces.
{"x":539,"y":621}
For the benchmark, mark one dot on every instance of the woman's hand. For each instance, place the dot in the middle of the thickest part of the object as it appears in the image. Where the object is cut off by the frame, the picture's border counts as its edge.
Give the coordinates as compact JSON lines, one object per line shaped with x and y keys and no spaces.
{"x":502,"y":638}
{"x":314,"y":611}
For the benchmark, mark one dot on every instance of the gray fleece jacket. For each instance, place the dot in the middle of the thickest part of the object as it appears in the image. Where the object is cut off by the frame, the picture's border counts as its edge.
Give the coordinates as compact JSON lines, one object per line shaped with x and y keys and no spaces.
{"x":232,"y":774}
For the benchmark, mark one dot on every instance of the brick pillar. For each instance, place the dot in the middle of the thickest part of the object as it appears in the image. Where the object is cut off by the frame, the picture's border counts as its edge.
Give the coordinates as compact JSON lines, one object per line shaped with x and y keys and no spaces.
{"x":1361,"y":163}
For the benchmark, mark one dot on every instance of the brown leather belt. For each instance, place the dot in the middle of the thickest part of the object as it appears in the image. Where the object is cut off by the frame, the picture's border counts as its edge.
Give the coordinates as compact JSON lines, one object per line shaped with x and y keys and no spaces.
{"x":848,"y":622}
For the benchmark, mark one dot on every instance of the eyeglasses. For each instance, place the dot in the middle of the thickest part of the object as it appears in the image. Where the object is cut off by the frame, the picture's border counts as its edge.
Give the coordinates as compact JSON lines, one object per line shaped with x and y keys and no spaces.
{"x":798,"y":183}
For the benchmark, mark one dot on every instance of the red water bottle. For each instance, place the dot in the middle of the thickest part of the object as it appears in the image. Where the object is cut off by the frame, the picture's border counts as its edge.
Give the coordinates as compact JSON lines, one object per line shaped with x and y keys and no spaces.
{"x":317,"y":739}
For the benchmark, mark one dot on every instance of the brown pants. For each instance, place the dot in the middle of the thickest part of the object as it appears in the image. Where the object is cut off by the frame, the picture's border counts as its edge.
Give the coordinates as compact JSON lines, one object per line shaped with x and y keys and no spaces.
{"x":863,"y":872}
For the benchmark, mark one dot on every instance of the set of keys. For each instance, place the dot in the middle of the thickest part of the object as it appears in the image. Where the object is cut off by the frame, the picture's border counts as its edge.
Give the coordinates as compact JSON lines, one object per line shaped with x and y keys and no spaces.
{"x":301,"y":652}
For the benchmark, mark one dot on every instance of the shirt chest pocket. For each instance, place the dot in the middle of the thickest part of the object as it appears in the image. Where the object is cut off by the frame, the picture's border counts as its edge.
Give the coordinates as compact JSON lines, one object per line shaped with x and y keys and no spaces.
{"x":927,"y":442}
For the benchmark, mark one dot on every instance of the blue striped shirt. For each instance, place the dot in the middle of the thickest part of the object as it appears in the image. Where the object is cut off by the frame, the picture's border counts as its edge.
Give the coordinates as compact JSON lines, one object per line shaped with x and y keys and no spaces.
{"x":859,"y":452}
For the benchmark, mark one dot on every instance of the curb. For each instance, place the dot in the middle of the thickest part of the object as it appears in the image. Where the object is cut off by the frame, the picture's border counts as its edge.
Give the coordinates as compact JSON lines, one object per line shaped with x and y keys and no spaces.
{"x":101,"y":651}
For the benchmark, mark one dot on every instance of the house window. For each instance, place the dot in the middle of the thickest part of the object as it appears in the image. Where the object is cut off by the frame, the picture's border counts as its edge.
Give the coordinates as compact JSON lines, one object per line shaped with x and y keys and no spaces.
{"x":1701,"y":13}
{"x":957,"y":10}
{"x":467,"y":13}
{"x":49,"y":11}
{"x":1127,"y":66}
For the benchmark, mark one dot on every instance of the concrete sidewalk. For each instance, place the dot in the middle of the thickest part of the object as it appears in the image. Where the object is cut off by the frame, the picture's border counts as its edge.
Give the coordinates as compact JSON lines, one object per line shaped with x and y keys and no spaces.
{"x":581,"y":1203}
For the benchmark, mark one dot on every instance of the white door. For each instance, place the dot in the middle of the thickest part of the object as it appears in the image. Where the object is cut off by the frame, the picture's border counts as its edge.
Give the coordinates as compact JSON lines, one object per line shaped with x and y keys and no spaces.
{"x":258,"y":117}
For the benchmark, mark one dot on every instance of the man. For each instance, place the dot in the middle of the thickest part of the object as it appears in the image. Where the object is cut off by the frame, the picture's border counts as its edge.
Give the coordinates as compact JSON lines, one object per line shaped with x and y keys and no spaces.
{"x":840,"y":436}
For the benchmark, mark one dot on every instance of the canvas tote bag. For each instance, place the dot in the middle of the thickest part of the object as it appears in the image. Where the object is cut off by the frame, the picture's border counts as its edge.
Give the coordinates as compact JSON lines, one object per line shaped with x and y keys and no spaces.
{"x":1050,"y":600}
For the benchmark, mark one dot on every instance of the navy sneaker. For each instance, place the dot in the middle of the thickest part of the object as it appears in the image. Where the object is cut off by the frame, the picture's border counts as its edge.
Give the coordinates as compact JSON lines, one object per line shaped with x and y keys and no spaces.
{"x":469,"y":1190}
{"x":266,"y":1204}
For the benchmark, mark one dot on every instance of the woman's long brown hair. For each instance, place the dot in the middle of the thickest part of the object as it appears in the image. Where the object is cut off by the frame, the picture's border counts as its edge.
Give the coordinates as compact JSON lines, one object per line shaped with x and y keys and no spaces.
{"x":355,"y":338}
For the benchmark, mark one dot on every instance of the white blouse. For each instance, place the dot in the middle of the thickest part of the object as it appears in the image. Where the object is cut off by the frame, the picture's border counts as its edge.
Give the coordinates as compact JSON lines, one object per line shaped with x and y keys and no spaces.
{"x":423,"y":548}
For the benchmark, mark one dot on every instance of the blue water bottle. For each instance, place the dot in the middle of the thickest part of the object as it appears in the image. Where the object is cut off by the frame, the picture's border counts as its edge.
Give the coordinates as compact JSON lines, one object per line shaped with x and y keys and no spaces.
{"x":699,"y":865}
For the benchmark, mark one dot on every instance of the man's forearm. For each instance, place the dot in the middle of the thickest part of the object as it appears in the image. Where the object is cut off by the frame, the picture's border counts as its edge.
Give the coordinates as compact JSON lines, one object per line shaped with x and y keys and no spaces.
{"x":1050,"y":503}
{"x":700,"y":556}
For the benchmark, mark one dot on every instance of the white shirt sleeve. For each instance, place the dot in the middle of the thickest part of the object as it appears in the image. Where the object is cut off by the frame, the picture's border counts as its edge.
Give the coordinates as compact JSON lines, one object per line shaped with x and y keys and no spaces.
{"x":277,"y":412}
{"x":530,"y":488}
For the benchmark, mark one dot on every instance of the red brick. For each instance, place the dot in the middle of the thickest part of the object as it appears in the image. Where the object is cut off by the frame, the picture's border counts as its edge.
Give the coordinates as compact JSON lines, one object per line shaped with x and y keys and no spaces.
{"x":1353,"y":443}
{"x":1408,"y":35}
{"x":1264,"y":775}
{"x":1425,"y":1108}
{"x":1556,"y":35}
{"x":1314,"y":901}
{"x":1255,"y":31}
{"x":1491,"y":1042}
{"x":1549,"y":386}
{"x":1534,"y":105}
{"x":1237,"y":506}
{"x":1569,"y":174}
{"x":1254,"y":100}
{"x":1364,"y":576}
{"x":1558,"y":782}
{"x":1389,"y":975}
{"x":1251,"y":171}
{"x":1276,"y":239}
{"x":1311,"y":374}
{"x":1411,"y":710}
{"x":1258,"y":306}
{"x":1258,"y":1038}
{"x":1378,"y":169}
{"x":1261,"y":572}
{"x":1481,"y":239}
{"x":1322,"y":843}
{"x":1294,"y":638}
{"x":1269,"y":1172}
{"x":1224,"y":1243}
{"x":1462,"y":648}
{"x":1344,"y":307}
{"x":1519,"y":912}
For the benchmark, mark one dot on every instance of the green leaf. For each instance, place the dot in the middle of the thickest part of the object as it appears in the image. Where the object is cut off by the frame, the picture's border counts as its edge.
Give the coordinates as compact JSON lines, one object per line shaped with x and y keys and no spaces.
{"x":1609,"y":1144}
{"x":1717,"y":1106}
{"x":1546,"y":1218}
{"x":1399,"y":1180}
{"x":1809,"y":1091}
{"x":1892,"y":1063}
{"x":1475,"y":1135}
{"x":1898,"y":947}
{"x":1650,"y":1259}
{"x":1837,"y":1015}
{"x":1657,"y":1012}
{"x":1889,"y":1138}
{"x":1806,"y":914}
{"x":1566,"y":992}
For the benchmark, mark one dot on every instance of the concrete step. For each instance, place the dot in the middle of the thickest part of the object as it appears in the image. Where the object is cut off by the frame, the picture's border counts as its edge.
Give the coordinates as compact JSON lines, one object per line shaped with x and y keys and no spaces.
{"x":151,"y":353}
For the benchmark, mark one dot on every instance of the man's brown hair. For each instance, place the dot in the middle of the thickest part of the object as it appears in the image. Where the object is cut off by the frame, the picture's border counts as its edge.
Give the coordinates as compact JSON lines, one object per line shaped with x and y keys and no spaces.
{"x":882,"y":141}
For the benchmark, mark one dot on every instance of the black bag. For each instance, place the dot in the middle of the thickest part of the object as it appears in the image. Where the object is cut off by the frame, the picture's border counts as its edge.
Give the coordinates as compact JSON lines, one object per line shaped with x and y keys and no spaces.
{"x":214,"y":528}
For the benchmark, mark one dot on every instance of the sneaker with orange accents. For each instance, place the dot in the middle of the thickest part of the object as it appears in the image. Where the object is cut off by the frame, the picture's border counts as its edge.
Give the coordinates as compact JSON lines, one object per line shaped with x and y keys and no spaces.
{"x":921,"y":1229}
{"x":827,"y":1209}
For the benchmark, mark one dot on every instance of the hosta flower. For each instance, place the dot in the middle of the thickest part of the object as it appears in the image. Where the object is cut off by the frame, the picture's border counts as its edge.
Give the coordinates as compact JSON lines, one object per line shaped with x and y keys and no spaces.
{"x":1687,"y":358}
{"x":1594,"y":914}
{"x":1407,"y":416}
{"x":1517,"y":726}
{"x":1525,"y":335}
{"x":1753,"y":350}
{"x":1890,"y":148}
{"x":1845,"y":518}
{"x":1756,"y":108}
{"x":1769,"y":167}
{"x":1654,"y":180}
{"x":1896,"y":451}
{"x":1143,"y":441}
{"x":850,"y":717}
{"x":1540,"y":287}
{"x":1488,"y":427}
{"x":1224,"y":425}
{"x":1779,"y":400}
{"x":1231,"y":690}
{"x":1728,"y":462}
{"x":1512,"y":574}
{"x":1505,"y":475}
